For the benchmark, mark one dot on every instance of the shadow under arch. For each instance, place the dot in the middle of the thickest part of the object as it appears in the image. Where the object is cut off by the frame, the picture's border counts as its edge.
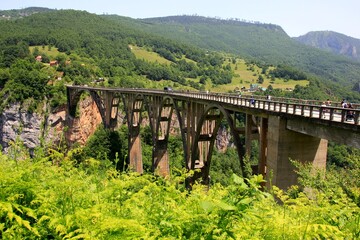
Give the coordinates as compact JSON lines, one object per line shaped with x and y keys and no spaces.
{"x":205,"y":137}
{"x":107,"y":104}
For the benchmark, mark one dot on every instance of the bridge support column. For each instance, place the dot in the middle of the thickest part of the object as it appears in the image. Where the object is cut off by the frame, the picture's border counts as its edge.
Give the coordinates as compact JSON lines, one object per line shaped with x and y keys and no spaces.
{"x":161,"y":159}
{"x":284,"y":144}
{"x":248,"y":133}
{"x":133,"y":105}
{"x":263,"y":146}
{"x":135,"y":154}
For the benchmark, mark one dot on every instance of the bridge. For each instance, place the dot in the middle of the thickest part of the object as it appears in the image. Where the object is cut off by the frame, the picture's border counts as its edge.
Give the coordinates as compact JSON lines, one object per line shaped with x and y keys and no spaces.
{"x":285,"y":128}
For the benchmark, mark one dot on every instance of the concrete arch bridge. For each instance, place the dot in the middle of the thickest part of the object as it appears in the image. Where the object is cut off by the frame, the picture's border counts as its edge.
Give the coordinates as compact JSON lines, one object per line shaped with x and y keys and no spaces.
{"x":286,"y":128}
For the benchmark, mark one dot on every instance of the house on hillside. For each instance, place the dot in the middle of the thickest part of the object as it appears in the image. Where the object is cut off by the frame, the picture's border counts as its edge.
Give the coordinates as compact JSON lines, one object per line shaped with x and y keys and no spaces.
{"x":38,"y":58}
{"x":54,"y":63}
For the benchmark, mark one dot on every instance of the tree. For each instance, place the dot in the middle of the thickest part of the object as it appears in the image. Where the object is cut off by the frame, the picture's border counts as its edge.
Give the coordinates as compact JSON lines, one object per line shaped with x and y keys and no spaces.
{"x":4,"y":76}
{"x":98,"y":145}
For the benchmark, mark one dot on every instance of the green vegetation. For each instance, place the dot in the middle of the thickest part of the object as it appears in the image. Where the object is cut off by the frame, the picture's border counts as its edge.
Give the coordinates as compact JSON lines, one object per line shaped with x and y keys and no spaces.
{"x":62,"y":198}
{"x":150,"y":56}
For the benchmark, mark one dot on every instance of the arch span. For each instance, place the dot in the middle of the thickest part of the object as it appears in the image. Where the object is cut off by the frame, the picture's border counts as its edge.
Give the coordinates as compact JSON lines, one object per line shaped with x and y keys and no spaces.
{"x":207,"y":130}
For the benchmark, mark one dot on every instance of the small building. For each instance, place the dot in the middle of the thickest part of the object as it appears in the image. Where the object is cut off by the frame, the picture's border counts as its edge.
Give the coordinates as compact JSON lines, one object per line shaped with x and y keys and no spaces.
{"x":38,"y":58}
{"x":54,"y":63}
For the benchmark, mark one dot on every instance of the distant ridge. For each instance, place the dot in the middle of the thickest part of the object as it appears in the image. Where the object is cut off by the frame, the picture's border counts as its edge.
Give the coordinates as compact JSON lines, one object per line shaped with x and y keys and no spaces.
{"x":192,"y":19}
{"x":333,"y":42}
{"x":20,"y":13}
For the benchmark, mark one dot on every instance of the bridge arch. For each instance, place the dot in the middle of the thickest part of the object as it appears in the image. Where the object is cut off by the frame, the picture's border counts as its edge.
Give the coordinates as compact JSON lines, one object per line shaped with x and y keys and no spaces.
{"x":107,"y":104}
{"x":133,"y":108}
{"x":74,"y":98}
{"x":160,"y":116}
{"x":203,"y":145}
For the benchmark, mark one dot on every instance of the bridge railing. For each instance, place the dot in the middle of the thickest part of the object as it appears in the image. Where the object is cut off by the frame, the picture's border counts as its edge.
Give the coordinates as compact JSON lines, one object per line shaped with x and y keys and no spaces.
{"x":306,"y":108}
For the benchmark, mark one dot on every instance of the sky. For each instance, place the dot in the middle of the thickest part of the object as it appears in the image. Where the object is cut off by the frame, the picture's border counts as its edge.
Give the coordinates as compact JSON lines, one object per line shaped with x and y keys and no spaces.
{"x":296,"y":17}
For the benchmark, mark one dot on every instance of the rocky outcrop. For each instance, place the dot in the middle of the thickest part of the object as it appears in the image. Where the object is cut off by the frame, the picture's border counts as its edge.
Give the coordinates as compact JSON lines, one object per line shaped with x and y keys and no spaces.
{"x":332,"y":41}
{"x":223,"y":139}
{"x":17,"y":124}
{"x":79,"y":129}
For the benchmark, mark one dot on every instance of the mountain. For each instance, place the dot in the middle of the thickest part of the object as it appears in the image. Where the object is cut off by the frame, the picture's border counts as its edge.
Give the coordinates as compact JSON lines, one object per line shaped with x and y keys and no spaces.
{"x":263,"y":43}
{"x":333,"y":42}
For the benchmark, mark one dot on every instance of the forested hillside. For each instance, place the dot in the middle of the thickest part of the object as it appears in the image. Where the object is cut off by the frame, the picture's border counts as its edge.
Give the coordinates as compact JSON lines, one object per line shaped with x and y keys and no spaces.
{"x":90,"y":48}
{"x":264,"y":43}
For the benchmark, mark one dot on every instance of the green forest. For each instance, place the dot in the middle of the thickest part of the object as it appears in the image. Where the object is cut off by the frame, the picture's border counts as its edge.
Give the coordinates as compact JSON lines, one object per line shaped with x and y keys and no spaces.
{"x":86,"y":192}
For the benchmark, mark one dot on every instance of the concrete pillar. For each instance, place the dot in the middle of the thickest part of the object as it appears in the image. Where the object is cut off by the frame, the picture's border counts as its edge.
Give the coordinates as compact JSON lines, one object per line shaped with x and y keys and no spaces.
{"x":108,"y":96}
{"x":248,"y":134}
{"x":135,"y":154}
{"x":263,"y":146}
{"x":161,"y":158}
{"x":284,"y":144}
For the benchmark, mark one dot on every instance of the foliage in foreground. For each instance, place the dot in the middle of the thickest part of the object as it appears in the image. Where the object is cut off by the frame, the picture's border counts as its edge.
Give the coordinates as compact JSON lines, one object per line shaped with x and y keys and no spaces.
{"x":42,"y":200}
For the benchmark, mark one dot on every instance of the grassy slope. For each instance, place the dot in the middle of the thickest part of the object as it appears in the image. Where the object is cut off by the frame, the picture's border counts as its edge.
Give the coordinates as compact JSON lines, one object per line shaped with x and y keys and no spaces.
{"x":142,"y":53}
{"x":52,"y":53}
{"x":243,"y":75}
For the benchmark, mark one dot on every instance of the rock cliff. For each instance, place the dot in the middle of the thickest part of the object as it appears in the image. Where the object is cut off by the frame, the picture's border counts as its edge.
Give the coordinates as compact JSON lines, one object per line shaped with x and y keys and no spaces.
{"x":33,"y":128}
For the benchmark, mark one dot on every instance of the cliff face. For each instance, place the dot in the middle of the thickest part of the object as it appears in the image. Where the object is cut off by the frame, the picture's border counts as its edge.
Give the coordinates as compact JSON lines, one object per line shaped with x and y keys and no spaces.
{"x":80,"y":129}
{"x":31,"y":128}
{"x":15,"y":123}
{"x":223,"y":140}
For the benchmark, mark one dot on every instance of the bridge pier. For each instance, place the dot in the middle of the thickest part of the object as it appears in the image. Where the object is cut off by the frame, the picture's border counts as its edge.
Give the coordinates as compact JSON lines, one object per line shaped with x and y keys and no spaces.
{"x":133,"y":105}
{"x":160,"y":114}
{"x":135,"y":153}
{"x":161,"y":165}
{"x":263,"y":151}
{"x":284,"y":144}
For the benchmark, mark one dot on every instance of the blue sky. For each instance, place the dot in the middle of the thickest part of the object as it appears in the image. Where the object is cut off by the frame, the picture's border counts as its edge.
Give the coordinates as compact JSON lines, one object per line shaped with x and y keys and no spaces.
{"x":295,"y":17}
